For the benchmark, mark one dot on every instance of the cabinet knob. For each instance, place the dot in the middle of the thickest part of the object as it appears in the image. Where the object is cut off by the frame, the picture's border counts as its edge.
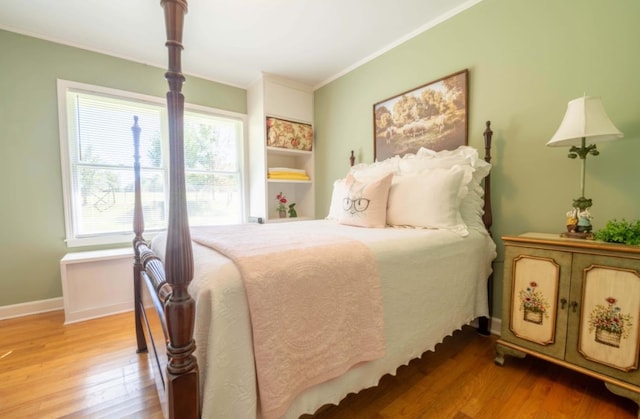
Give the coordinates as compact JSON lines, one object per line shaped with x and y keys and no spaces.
{"x":574,"y":306}
{"x":563,"y":303}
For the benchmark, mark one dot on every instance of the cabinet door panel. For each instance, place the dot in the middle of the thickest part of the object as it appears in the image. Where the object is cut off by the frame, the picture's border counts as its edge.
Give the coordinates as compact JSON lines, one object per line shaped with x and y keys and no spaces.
{"x":539,"y":279}
{"x":606,"y":328}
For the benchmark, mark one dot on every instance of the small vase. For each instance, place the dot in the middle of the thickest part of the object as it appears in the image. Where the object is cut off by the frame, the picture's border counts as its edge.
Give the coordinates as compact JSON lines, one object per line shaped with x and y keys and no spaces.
{"x":282,"y":214}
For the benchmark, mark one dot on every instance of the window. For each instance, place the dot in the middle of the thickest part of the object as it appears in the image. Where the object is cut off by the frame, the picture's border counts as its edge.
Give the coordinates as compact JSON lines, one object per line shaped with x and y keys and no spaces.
{"x":96,"y":145}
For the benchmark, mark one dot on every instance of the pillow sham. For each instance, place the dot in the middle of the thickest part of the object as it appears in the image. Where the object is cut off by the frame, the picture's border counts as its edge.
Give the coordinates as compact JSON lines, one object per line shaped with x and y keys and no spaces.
{"x":364,"y":204}
{"x":430,"y":199}
{"x":337,"y":196}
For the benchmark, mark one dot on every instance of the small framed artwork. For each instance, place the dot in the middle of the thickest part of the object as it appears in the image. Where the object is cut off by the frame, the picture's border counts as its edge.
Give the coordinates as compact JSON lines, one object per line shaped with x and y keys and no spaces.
{"x":288,"y":134}
{"x":434,"y":116}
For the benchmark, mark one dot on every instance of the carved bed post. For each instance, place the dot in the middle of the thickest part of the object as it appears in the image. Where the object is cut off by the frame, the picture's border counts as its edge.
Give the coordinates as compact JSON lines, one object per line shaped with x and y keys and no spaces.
{"x":484,"y":326}
{"x":182,"y":369}
{"x":488,"y":215}
{"x":138,"y":228}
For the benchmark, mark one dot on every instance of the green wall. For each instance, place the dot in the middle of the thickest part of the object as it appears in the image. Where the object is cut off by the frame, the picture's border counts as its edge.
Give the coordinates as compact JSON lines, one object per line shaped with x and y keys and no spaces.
{"x":526,"y":60}
{"x":32,"y":227}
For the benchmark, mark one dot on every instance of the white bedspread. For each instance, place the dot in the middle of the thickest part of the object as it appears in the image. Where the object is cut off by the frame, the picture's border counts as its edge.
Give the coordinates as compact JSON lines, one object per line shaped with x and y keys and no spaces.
{"x":433,"y":283}
{"x":315,"y":305}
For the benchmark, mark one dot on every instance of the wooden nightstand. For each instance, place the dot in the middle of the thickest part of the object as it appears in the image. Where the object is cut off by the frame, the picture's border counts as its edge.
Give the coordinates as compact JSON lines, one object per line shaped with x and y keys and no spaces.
{"x":575,"y":303}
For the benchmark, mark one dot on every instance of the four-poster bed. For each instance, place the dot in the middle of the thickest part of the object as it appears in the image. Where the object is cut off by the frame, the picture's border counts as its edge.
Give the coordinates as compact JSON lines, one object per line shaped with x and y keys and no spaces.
{"x":237,"y":319}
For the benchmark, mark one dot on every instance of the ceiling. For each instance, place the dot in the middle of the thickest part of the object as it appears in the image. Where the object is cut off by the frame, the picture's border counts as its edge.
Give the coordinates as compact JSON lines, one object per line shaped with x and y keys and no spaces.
{"x":233,"y":41}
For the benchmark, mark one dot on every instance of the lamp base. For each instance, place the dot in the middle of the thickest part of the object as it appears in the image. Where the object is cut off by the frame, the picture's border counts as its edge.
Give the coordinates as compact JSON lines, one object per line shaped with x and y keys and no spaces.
{"x":577,"y":235}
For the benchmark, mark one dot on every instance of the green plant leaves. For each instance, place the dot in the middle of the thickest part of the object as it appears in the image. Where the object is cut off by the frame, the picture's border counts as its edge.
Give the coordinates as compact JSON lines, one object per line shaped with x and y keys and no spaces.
{"x":620,"y":231}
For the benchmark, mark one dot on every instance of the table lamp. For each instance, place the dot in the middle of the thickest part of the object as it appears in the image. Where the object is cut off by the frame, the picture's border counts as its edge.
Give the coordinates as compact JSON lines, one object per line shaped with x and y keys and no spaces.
{"x":585,"y":120}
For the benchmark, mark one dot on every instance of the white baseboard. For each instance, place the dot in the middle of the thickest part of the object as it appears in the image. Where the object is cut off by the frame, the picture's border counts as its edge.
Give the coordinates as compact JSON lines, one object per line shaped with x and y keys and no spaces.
{"x":32,"y":307}
{"x":496,"y":327}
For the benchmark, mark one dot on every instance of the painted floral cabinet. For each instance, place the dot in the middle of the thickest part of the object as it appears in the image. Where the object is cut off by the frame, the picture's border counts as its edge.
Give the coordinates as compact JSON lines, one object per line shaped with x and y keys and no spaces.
{"x":575,"y":303}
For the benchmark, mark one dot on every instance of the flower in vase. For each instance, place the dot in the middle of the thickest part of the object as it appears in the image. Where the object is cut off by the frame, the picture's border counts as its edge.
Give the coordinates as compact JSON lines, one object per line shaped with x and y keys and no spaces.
{"x":282,"y":200}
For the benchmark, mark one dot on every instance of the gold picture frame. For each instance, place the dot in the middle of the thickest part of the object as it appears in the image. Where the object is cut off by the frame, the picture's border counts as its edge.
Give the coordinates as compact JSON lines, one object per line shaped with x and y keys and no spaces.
{"x":434,"y":116}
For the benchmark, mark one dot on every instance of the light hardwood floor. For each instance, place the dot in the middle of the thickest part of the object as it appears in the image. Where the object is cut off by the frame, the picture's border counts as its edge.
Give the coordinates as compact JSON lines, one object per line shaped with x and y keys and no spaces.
{"x":91,"y":370}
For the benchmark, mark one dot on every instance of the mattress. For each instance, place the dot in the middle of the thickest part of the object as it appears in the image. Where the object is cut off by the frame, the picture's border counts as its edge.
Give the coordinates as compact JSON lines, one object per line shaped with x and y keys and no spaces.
{"x":433,"y":282}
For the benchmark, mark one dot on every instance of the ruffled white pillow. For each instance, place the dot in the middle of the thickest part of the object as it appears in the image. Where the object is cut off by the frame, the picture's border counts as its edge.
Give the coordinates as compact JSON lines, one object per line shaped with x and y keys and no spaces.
{"x":430,"y":199}
{"x":471,"y":207}
{"x":369,"y":172}
{"x":429,"y":159}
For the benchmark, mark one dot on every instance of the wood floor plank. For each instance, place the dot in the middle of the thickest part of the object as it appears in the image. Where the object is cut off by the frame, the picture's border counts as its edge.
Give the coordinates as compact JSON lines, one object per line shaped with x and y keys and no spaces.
{"x":91,"y":370}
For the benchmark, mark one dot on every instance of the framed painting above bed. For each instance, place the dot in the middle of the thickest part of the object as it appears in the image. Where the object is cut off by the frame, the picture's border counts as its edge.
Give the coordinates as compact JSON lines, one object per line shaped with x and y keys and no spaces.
{"x":433,"y":115}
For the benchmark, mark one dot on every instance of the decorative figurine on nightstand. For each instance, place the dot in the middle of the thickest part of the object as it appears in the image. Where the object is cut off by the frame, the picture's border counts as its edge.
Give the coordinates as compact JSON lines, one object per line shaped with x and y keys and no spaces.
{"x":292,"y":211}
{"x":579,"y":222}
{"x":584,"y":221}
{"x":572,"y":220}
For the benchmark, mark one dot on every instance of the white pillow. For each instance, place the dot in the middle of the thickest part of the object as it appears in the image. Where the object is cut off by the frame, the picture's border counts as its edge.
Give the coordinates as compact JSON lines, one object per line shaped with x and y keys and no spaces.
{"x":430,"y":199}
{"x":369,"y":172}
{"x":429,"y":159}
{"x":365,"y":203}
{"x":472,"y":208}
{"x":337,"y":196}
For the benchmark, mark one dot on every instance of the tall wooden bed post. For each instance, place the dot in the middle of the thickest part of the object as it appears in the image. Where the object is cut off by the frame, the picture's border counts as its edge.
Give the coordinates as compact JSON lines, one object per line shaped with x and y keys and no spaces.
{"x":182,"y":370}
{"x":182,"y":381}
{"x":484,"y":326}
{"x":487,"y":218}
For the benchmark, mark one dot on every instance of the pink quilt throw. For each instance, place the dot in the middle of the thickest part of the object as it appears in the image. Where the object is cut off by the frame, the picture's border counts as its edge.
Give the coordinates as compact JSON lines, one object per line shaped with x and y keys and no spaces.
{"x":315,"y":304}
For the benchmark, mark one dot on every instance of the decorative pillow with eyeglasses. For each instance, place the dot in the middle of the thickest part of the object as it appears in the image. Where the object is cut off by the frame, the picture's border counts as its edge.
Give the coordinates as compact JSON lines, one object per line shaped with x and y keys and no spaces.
{"x":364,"y":204}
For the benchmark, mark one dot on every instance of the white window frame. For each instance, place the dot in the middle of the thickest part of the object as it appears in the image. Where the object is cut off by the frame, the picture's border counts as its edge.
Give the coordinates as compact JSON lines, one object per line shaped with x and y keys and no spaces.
{"x":64,"y":113}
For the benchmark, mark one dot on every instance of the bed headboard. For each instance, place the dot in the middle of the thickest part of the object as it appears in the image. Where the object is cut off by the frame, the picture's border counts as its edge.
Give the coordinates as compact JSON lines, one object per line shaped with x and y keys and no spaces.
{"x":487,"y":218}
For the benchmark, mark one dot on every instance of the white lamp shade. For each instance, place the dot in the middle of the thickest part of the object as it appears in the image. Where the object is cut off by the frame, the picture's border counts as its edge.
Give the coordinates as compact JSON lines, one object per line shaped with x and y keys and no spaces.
{"x":585,"y":118}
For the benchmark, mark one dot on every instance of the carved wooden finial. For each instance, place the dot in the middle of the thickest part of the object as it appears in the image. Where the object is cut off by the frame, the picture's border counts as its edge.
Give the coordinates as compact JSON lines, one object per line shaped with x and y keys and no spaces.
{"x":488,"y":135}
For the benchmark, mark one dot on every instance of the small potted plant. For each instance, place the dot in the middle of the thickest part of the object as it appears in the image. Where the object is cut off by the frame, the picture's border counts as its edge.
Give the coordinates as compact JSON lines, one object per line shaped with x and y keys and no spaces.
{"x":282,"y":209}
{"x":620,"y":231}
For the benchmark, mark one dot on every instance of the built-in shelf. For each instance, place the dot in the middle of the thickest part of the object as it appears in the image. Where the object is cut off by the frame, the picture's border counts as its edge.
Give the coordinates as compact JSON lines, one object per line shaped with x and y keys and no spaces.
{"x":289,"y":151}
{"x":288,"y":181}
{"x":274,"y":97}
